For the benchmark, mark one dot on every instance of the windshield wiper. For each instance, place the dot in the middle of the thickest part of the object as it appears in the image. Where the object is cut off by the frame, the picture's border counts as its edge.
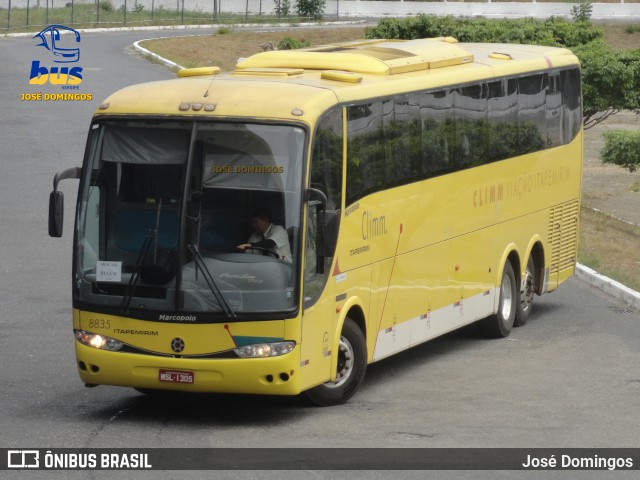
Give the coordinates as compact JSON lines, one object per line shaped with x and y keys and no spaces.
{"x":224,"y":305}
{"x":135,"y":276}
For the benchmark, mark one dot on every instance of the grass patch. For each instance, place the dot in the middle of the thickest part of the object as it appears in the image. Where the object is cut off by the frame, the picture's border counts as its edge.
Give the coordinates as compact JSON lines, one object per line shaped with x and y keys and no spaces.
{"x":225,"y":48}
{"x":620,"y":36}
{"x":610,"y":246}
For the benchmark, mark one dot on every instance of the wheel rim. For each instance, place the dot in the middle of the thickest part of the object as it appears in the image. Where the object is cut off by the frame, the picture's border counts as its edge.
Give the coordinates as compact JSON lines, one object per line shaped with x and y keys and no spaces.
{"x":345,"y":363}
{"x":506,"y":299}
{"x":528,"y":292}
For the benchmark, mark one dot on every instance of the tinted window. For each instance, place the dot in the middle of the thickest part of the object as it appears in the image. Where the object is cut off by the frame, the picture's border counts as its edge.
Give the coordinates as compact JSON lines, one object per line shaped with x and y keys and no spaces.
{"x":532,"y":117}
{"x":424,"y":134}
{"x":571,"y":101}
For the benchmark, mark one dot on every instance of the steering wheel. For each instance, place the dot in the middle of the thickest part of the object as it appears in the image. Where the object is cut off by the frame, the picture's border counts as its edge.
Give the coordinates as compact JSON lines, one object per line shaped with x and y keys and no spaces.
{"x":265,"y":251}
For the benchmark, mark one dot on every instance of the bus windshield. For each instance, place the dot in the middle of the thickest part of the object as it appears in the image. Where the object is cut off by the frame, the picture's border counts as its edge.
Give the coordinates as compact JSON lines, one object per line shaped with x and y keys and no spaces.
{"x":165,"y":206}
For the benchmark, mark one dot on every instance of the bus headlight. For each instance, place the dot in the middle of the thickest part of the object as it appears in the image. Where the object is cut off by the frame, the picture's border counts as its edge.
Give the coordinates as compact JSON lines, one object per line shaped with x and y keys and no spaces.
{"x":263,"y":350}
{"x":98,"y":341}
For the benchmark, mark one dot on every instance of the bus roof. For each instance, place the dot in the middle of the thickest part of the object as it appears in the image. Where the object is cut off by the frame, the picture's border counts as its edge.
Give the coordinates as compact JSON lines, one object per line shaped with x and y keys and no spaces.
{"x":301,"y":84}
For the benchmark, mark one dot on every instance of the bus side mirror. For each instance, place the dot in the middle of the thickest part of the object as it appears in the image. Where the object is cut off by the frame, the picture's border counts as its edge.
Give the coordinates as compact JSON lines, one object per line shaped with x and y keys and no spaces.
{"x":56,"y":201}
{"x":56,"y":213}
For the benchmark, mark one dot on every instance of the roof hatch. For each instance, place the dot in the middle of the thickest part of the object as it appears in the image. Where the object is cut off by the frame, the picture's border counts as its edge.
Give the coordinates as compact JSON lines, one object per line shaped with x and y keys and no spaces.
{"x":382,"y":57}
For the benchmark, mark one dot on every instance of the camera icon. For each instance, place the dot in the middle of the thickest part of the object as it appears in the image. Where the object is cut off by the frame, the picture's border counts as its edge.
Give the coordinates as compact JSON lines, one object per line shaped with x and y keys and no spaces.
{"x":23,"y":459}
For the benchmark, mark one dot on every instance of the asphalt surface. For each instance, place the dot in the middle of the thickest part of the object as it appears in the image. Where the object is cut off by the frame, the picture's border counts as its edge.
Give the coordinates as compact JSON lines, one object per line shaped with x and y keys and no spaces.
{"x":569,"y":378}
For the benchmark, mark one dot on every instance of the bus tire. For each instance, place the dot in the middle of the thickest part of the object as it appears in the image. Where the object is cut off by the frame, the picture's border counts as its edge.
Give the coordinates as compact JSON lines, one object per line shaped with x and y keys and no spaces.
{"x":500,"y":324}
{"x":527,"y":294}
{"x":352,"y":365}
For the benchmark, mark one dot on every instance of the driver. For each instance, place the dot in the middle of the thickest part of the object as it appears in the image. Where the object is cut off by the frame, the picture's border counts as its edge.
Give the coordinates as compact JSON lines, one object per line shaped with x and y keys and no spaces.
{"x":267,"y":235}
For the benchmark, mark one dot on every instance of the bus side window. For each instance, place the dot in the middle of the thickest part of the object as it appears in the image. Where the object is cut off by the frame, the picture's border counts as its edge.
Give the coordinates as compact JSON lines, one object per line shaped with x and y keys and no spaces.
{"x":572,"y":108}
{"x":470,"y":104}
{"x":438,"y":128}
{"x":90,"y":247}
{"x":503,"y":116}
{"x":532,"y":114}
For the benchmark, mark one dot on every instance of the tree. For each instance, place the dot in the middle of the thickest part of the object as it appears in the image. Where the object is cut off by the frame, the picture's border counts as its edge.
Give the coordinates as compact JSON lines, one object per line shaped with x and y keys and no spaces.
{"x":310,"y":8}
{"x":610,"y":81}
{"x":283,"y":8}
{"x":581,"y":12}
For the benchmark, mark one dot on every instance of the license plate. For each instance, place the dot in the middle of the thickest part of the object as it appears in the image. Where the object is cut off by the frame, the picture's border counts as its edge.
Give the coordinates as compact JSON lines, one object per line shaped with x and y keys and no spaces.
{"x":175,"y":376}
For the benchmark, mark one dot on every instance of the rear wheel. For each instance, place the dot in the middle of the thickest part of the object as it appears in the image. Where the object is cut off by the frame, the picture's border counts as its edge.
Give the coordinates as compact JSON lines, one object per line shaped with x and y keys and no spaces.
{"x":527,"y":293}
{"x":500,"y":324}
{"x":352,"y":365}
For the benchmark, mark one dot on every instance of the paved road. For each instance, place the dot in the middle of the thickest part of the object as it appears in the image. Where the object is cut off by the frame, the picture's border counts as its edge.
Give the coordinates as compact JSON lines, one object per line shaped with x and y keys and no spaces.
{"x":569,"y":378}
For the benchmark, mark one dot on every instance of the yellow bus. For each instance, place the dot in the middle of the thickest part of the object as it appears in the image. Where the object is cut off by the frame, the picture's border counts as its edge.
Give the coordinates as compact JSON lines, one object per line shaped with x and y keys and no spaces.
{"x":393,"y":191}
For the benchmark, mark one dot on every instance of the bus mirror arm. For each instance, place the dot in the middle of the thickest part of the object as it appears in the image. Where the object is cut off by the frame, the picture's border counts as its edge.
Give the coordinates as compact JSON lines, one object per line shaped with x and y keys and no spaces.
{"x":56,"y":201}
{"x":63,"y":175}
{"x":317,"y":196}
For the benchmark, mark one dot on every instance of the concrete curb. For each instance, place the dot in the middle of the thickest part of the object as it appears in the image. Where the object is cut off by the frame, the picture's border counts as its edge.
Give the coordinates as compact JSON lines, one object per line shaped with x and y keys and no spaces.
{"x":609,"y":286}
{"x":155,"y":56}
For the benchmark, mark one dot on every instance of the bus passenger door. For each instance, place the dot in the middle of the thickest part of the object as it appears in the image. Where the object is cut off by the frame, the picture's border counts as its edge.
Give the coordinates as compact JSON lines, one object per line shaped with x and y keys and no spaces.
{"x":323,"y":207}
{"x":319,"y":315}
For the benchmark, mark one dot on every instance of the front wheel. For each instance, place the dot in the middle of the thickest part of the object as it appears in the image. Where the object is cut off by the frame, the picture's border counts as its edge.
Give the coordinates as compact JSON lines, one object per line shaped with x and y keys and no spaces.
{"x":352,"y":365}
{"x":500,"y":324}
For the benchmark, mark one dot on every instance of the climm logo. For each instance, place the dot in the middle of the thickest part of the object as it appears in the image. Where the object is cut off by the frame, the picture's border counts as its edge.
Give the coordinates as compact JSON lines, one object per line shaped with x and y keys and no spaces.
{"x":51,"y":39}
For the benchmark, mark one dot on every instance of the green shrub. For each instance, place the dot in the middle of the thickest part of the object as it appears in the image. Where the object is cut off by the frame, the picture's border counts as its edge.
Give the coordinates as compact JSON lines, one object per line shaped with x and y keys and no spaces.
{"x":106,"y":6}
{"x":630,"y":29}
{"x":568,"y":34}
{"x":621,"y":147}
{"x":553,"y":31}
{"x":288,"y":43}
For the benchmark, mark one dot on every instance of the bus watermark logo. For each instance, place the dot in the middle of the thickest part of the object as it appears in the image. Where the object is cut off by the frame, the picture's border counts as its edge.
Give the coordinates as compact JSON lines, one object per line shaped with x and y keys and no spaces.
{"x":60,"y":42}
{"x":51,"y":40}
{"x":23,"y":459}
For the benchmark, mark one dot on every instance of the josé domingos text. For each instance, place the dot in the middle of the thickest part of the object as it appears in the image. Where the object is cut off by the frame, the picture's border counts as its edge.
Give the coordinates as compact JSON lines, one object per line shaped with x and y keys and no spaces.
{"x":567,"y":461}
